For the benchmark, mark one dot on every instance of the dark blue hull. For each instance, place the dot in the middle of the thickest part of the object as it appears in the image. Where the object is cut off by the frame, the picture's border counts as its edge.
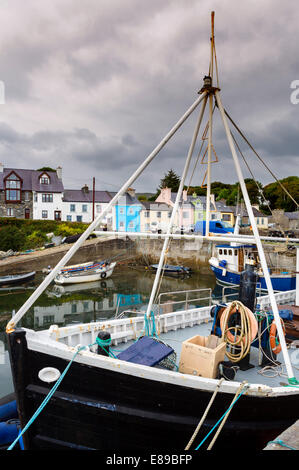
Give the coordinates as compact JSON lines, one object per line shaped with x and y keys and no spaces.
{"x":283,"y":283}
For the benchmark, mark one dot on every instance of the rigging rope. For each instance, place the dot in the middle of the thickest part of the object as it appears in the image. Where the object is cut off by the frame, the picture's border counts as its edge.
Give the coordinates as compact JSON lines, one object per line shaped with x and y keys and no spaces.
{"x":252,"y":175}
{"x":261,"y":160}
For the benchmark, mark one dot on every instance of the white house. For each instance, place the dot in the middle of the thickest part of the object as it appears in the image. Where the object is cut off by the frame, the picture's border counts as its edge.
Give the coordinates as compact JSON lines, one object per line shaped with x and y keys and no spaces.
{"x":82,"y":206}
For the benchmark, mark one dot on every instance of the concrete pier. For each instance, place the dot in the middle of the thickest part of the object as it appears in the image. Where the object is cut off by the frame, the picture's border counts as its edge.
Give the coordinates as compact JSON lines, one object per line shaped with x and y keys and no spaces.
{"x":288,"y":440}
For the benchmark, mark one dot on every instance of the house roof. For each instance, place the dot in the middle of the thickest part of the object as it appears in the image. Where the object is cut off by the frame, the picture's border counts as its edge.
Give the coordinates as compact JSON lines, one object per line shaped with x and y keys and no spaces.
{"x":126,"y":200}
{"x":243,"y":212}
{"x":78,"y":195}
{"x":157,"y":206}
{"x":31,"y":180}
{"x":292,"y":215}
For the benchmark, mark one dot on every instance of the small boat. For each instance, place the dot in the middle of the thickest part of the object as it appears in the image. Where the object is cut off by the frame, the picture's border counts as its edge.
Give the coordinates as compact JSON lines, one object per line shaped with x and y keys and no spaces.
{"x":229,"y":261}
{"x":13,"y":279}
{"x":172,"y":269}
{"x":79,"y":267}
{"x":91,"y":275}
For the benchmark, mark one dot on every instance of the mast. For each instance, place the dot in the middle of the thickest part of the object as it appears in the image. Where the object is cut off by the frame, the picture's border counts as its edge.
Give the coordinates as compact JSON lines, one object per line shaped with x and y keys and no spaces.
{"x":25,"y":307}
{"x":292,"y":379}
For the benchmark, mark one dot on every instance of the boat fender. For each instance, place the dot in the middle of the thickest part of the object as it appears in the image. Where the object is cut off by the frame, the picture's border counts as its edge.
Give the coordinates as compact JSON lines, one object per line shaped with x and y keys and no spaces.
{"x":9,"y":431}
{"x":103,"y":275}
{"x":216,"y":312}
{"x":274,"y":343}
{"x":8,"y":407}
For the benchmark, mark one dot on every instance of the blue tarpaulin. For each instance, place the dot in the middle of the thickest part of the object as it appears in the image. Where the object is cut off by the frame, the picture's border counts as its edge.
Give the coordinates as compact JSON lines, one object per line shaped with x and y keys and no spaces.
{"x":146,"y":351}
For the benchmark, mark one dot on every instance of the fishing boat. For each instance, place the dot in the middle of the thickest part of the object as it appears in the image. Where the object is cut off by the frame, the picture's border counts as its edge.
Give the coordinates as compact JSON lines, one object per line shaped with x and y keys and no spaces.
{"x":104,"y":271}
{"x":230,"y":260}
{"x":75,"y":391}
{"x":172,"y":269}
{"x":13,"y":279}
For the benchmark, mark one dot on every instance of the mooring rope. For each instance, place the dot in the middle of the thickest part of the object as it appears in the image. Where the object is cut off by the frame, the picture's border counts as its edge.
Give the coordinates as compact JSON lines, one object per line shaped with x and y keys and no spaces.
{"x":243,"y":387}
{"x":102,"y":344}
{"x":46,"y":400}
{"x":204,"y":415}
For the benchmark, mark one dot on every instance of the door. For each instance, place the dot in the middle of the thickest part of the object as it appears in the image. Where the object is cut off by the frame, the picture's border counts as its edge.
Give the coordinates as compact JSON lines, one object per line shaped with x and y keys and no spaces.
{"x":57,"y":215}
{"x":27,"y":213}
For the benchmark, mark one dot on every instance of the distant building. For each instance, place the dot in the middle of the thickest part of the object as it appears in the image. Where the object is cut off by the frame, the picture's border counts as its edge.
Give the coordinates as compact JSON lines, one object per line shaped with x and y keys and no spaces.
{"x":127,"y":212}
{"x":80,"y":205}
{"x":154,"y":216}
{"x":30,"y":194}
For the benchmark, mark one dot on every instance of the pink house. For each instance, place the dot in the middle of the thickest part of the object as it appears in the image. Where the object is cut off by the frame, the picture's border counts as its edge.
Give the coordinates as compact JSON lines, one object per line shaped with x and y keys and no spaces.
{"x":185,"y":216}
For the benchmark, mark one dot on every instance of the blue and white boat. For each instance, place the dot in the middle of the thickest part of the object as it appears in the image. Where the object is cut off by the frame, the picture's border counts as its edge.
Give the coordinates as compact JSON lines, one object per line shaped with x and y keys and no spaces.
{"x":229,"y":261}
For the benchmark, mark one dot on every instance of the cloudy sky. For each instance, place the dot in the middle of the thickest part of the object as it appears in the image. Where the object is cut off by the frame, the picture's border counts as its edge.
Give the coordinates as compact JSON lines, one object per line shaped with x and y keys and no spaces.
{"x":94,"y":86}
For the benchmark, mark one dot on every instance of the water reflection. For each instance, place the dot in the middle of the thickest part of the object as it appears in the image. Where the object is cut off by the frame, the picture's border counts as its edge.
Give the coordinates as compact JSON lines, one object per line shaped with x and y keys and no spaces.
{"x":128,"y":289}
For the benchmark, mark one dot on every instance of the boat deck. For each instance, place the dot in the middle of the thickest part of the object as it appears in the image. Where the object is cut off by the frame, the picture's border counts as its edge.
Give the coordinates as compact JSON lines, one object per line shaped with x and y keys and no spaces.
{"x":273,"y":378}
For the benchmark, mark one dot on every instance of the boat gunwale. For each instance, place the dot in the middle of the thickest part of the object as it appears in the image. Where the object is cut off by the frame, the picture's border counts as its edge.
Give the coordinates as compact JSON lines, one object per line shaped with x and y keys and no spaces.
{"x":48,"y":342}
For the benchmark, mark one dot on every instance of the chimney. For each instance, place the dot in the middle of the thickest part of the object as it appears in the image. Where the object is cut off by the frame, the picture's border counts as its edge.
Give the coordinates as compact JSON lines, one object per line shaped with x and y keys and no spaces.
{"x":131,"y":192}
{"x":165,"y":195}
{"x":212,"y":199}
{"x":59,"y":172}
{"x":1,"y":167}
{"x":85,"y":189}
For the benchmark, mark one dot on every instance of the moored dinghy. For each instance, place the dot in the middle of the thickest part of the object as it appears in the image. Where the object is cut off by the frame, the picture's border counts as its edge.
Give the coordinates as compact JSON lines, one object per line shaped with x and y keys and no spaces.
{"x":14,"y":279}
{"x":104,"y":271}
{"x":104,"y":402}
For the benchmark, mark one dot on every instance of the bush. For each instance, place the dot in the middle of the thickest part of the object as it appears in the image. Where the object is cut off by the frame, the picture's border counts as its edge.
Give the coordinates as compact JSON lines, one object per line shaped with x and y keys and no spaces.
{"x":11,"y":238}
{"x":20,"y":234}
{"x":35,"y":240}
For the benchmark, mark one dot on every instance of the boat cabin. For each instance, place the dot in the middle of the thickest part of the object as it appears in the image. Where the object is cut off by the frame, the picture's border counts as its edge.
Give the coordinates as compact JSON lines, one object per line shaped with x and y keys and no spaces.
{"x":234,"y":258}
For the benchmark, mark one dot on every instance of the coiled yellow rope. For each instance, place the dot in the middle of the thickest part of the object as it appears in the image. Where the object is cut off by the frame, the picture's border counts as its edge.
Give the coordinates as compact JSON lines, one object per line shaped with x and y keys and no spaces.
{"x":240,"y":336}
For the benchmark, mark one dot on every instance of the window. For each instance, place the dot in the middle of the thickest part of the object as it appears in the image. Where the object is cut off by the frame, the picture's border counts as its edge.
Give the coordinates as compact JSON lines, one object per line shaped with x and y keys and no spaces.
{"x":121,"y":210}
{"x":72,"y":207}
{"x":131,"y":225}
{"x":10,"y":212}
{"x":131,"y":211}
{"x":13,"y":188}
{"x":185,"y":215}
{"x":69,"y":218}
{"x":35,"y":197}
{"x":84,"y":207}
{"x":47,"y":197}
{"x":159,"y":215}
{"x":147,"y":214}
{"x":44,"y":214}
{"x":27,"y":196}
{"x":225,"y":252}
{"x":220,"y":252}
{"x":169,"y":214}
{"x":44,"y":179}
{"x":230,"y":252}
{"x":79,"y":218}
{"x":98,"y":208}
{"x":121,"y":224}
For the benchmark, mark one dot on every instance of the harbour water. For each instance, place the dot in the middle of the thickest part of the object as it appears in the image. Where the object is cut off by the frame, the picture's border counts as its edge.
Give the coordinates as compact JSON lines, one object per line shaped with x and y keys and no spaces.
{"x":127,"y":290}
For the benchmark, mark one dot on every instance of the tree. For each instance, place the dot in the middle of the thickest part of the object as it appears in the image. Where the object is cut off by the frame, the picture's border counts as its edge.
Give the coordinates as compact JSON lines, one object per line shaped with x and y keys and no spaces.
{"x":278,"y":198}
{"x":170,"y":180}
